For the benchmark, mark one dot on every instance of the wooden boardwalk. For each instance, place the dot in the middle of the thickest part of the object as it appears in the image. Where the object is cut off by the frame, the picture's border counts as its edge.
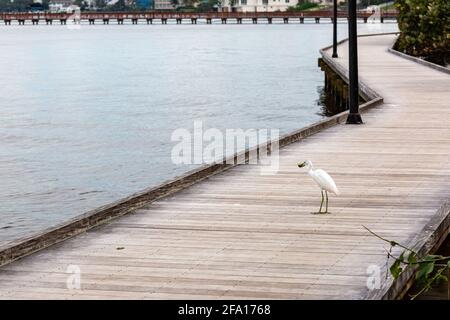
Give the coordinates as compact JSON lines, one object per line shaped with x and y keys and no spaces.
{"x":240,"y":234}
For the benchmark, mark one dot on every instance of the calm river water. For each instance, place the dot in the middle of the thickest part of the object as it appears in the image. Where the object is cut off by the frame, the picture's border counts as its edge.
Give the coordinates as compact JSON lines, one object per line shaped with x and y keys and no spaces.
{"x":87,"y":115}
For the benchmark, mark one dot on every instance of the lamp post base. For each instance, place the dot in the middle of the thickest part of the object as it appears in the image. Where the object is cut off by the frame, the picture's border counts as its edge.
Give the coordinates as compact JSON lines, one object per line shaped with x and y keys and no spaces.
{"x":354,"y":118}
{"x":334,"y":55}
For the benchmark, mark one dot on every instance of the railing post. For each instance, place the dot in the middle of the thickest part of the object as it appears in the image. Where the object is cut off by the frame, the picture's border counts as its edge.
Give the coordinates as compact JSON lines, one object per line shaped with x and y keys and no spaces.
{"x":354,"y":117}
{"x":335,"y":55}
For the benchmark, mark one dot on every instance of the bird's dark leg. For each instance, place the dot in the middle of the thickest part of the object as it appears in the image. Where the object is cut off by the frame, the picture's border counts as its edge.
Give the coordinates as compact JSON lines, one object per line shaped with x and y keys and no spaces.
{"x":320,"y":210}
{"x":326,"y":203}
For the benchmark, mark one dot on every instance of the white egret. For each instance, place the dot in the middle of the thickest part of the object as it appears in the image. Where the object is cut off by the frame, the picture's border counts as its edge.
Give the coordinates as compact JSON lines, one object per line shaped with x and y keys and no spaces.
{"x":323,"y":179}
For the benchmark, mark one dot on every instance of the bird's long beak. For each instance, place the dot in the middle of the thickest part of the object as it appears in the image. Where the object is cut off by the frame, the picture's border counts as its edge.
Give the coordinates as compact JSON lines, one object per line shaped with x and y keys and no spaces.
{"x":301,"y":165}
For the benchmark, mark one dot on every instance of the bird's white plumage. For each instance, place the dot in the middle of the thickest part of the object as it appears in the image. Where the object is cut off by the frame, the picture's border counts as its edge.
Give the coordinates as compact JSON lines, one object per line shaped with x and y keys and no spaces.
{"x":323,"y":179}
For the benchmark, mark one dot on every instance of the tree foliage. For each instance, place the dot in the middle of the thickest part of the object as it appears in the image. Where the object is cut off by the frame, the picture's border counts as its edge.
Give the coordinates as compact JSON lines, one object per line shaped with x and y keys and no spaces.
{"x":430,"y":269}
{"x":302,"y":5}
{"x":208,"y":5}
{"x":196,"y":5}
{"x":366,"y":3}
{"x":100,"y":4}
{"x":425,"y":27}
{"x":17,"y":5}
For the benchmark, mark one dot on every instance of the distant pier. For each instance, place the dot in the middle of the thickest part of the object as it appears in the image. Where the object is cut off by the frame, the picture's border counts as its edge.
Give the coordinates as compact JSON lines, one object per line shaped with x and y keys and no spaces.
{"x":191,"y":18}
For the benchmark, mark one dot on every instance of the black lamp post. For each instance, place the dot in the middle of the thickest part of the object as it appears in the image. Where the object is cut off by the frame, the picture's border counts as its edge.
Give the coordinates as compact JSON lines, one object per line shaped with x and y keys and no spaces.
{"x":353,"y":93}
{"x":335,"y":55}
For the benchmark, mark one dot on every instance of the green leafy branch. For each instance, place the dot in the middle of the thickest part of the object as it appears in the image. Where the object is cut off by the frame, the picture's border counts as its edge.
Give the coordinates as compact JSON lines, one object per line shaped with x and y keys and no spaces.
{"x":430,"y":269}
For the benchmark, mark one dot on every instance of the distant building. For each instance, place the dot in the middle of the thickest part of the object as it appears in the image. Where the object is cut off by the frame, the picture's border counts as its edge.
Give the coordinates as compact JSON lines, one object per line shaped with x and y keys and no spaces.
{"x":163,"y":5}
{"x":64,"y":3}
{"x":258,"y":5}
{"x":264,"y":5}
{"x":59,"y":5}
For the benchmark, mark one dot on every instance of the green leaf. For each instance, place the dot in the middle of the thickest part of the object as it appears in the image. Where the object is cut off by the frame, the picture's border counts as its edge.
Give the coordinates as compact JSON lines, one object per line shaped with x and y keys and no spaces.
{"x":412,"y":259}
{"x":441,"y":278}
{"x":395,"y":267}
{"x":433,"y":257}
{"x":424,"y":270}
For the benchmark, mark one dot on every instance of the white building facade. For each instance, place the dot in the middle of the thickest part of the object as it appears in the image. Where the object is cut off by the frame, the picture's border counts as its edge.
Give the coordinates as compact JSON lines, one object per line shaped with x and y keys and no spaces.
{"x":163,"y":5}
{"x":264,"y":5}
{"x":258,"y":5}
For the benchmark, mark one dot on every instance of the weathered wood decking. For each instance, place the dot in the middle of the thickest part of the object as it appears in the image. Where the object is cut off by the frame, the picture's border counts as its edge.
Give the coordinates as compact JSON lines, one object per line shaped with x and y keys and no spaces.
{"x":240,"y":234}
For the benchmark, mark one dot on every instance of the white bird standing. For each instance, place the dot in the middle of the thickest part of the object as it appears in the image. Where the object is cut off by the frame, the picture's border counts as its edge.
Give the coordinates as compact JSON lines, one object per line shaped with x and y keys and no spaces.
{"x":323,"y":179}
